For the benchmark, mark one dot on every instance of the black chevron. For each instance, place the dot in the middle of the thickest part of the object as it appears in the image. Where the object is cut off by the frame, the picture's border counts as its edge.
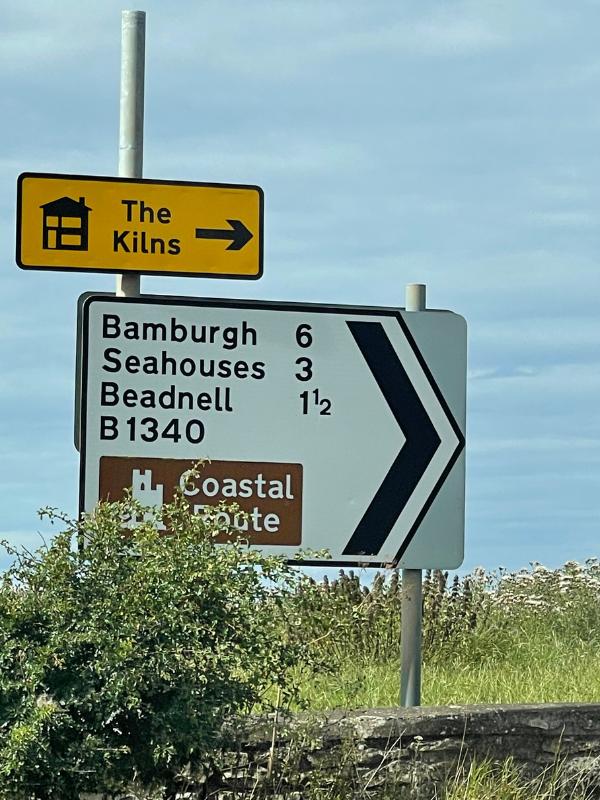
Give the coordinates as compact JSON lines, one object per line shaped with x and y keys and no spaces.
{"x":422,"y":439}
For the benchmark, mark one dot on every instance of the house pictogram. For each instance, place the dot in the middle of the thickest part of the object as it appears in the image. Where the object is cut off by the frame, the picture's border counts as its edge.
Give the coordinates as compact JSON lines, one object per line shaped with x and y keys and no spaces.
{"x":65,"y":224}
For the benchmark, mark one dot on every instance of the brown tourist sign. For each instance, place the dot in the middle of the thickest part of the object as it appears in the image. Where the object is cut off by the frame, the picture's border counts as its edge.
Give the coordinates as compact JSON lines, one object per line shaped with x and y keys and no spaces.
{"x":268,"y":494}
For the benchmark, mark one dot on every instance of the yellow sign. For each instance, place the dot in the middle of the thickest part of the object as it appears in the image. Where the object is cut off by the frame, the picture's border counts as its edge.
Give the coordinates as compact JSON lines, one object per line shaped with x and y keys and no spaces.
{"x":98,"y":224}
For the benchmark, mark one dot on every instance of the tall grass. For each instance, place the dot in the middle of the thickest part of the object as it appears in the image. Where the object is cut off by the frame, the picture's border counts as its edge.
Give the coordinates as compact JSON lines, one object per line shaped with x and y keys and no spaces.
{"x":529,"y":636}
{"x":485,"y":780}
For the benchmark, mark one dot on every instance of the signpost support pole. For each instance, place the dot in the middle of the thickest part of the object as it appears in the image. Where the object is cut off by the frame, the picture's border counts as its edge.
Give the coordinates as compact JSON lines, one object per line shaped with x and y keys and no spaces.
{"x":131,"y":127}
{"x":412,"y":591}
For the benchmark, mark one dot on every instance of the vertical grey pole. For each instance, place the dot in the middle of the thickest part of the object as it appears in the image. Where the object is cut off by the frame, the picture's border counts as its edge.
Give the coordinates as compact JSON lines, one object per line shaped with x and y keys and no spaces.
{"x":412,"y":587}
{"x":131,"y":125}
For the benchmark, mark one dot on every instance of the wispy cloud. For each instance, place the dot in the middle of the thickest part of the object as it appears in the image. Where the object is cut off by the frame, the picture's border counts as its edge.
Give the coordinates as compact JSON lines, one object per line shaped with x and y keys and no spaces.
{"x":566,"y":219}
{"x":585,"y":447}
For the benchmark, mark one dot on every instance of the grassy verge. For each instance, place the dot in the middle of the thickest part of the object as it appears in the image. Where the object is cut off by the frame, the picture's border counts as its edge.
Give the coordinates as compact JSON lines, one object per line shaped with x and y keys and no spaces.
{"x":528,"y":637}
{"x":557,"y":677}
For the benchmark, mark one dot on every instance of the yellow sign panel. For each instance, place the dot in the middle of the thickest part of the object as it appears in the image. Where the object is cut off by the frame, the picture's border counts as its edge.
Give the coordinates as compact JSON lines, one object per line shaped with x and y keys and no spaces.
{"x":98,"y":224}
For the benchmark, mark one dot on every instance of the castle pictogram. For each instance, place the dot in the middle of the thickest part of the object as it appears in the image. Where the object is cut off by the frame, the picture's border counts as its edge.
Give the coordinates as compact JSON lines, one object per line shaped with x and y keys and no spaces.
{"x":144,"y":493}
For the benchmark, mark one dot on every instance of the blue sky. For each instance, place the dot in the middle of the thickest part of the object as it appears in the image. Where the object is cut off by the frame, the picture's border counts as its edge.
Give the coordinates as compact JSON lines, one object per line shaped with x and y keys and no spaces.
{"x":451,"y":143}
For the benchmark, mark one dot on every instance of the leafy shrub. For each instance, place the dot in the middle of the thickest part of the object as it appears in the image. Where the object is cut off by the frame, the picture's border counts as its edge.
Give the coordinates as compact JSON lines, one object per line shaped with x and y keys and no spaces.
{"x":119,"y":664}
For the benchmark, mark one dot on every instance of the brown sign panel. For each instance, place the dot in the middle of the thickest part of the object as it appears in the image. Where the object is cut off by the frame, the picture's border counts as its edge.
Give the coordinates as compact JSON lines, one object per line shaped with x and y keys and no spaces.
{"x":269,"y":493}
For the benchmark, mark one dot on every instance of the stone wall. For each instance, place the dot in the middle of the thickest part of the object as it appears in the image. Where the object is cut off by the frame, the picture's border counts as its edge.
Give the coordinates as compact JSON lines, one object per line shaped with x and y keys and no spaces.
{"x":399,"y":754}
{"x":412,"y":750}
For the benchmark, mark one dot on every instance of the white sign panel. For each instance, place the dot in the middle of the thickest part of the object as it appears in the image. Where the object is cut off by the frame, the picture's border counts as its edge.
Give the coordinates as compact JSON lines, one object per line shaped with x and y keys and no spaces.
{"x":332,"y":427}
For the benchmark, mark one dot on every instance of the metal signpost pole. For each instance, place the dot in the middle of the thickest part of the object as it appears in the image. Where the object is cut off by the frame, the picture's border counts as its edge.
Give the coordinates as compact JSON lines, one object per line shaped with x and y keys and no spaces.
{"x":410,"y":666}
{"x":131,"y":127}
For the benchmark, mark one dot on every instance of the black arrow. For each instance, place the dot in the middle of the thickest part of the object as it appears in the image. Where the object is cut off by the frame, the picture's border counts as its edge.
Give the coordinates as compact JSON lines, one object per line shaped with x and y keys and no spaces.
{"x":238,"y":233}
{"x":421,"y":443}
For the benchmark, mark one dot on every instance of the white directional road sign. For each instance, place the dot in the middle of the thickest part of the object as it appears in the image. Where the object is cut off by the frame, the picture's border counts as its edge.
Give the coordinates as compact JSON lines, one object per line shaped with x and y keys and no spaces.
{"x":332,"y":427}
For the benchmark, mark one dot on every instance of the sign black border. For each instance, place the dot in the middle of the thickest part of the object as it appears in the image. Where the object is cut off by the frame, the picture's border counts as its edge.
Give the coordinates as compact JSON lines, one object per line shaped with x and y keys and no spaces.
{"x":114,"y":179}
{"x":268,"y":305}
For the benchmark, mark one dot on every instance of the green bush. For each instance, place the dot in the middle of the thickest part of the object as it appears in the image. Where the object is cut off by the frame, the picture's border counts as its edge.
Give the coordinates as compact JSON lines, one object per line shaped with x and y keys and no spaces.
{"x":119,"y":663}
